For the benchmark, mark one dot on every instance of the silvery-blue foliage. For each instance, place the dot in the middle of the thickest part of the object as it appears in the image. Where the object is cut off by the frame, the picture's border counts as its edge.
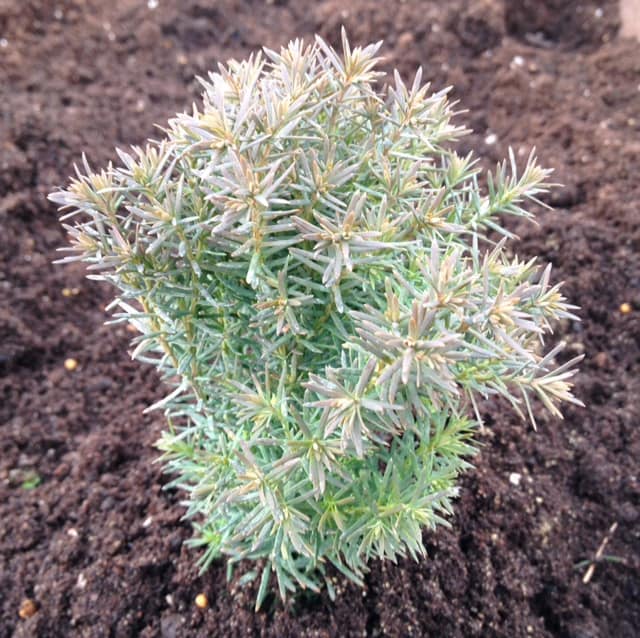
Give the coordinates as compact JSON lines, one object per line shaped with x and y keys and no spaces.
{"x":305,"y":260}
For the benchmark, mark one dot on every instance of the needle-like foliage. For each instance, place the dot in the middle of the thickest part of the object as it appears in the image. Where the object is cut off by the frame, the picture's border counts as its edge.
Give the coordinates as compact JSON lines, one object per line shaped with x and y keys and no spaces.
{"x":305,"y":260}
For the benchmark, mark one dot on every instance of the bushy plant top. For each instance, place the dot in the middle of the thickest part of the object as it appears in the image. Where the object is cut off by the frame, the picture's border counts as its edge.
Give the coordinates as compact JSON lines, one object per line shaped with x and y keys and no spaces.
{"x":306,"y":261}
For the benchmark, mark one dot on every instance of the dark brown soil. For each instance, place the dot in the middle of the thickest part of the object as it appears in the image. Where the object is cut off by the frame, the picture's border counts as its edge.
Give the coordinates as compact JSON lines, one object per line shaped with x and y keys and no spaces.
{"x":97,"y":545}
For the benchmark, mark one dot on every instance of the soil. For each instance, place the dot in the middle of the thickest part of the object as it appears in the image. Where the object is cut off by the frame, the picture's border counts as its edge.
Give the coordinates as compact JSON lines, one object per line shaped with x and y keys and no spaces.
{"x":88,"y":533}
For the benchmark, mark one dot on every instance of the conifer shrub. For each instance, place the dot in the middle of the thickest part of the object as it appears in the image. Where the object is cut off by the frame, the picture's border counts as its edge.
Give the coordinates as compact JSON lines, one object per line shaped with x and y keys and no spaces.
{"x":320,"y":280}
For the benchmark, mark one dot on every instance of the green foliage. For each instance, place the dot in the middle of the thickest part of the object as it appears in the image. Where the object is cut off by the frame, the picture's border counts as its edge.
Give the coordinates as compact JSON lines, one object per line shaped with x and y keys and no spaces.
{"x":305,"y":260}
{"x":31,"y":480}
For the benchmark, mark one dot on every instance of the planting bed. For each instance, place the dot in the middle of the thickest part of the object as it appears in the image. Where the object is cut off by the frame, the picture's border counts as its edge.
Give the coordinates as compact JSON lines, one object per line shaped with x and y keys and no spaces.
{"x":87,"y":531}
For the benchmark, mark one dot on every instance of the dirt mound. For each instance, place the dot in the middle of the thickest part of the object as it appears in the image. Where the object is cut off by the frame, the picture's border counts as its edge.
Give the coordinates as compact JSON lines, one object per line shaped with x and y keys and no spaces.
{"x":88,"y":532}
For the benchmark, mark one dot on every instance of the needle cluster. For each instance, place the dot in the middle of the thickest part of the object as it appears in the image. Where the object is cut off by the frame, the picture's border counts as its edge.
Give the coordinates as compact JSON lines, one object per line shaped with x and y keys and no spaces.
{"x":307,"y":263}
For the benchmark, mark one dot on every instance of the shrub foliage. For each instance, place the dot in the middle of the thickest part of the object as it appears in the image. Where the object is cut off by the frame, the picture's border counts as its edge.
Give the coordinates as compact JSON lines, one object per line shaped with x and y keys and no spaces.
{"x":307,"y":263}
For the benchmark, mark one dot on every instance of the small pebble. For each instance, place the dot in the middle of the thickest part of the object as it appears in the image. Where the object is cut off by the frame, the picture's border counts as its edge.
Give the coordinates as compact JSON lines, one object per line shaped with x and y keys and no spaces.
{"x":515,"y":478}
{"x":518,"y":60}
{"x":625,"y":308}
{"x":601,"y":360}
{"x":152,"y":4}
{"x":27,"y":609}
{"x":406,"y":39}
{"x":492,"y":138}
{"x":4,"y":43}
{"x":61,"y":470}
{"x":70,"y":364}
{"x":201,"y":601}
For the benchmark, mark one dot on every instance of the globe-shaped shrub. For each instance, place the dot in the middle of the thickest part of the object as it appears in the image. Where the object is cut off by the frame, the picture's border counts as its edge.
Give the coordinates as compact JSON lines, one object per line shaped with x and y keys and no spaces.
{"x":306,"y":261}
